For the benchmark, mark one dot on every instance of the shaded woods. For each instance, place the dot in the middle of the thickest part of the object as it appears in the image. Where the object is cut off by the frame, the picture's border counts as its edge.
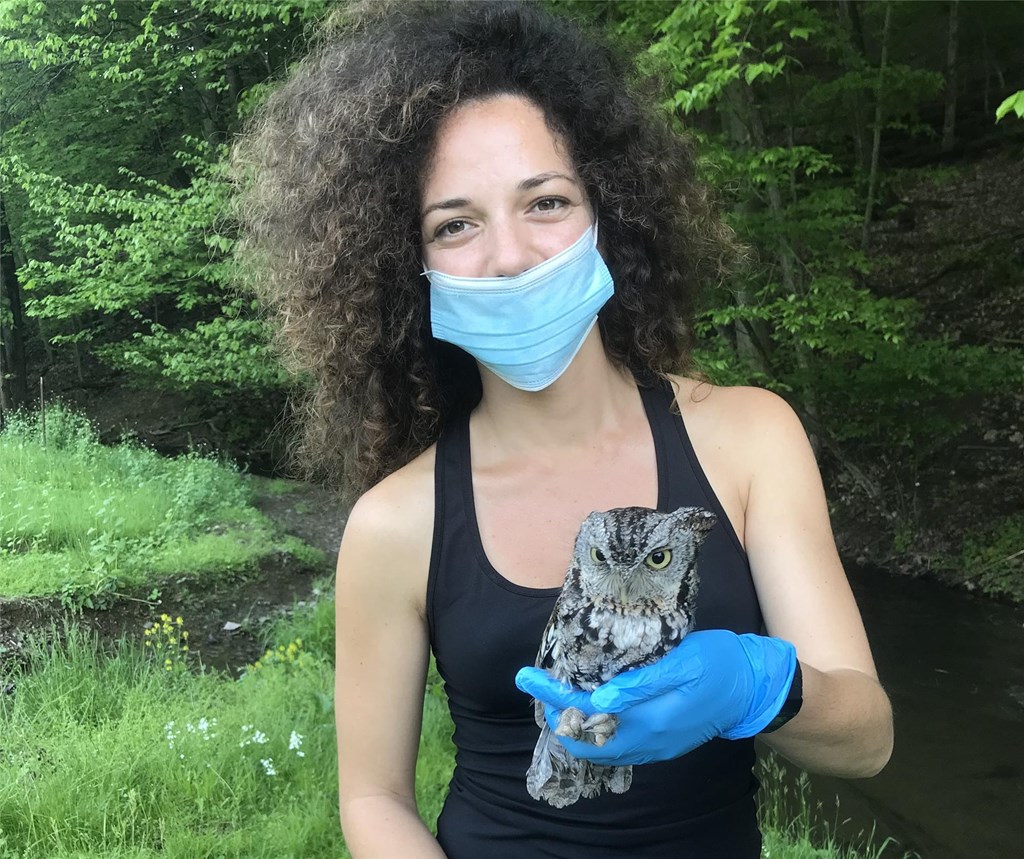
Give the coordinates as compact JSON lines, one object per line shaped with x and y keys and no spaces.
{"x":858,"y":155}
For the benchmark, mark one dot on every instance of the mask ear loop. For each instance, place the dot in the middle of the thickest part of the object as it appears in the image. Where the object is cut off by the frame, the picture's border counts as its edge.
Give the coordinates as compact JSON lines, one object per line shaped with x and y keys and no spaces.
{"x":595,"y":226}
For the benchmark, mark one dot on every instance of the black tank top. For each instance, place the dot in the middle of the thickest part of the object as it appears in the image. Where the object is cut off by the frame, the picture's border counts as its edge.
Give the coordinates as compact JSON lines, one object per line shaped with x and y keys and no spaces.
{"x":483,"y":628}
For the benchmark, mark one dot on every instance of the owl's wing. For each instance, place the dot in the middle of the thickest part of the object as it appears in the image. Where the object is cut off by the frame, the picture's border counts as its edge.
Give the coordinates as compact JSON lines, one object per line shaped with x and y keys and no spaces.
{"x":563,"y":626}
{"x":699,"y":522}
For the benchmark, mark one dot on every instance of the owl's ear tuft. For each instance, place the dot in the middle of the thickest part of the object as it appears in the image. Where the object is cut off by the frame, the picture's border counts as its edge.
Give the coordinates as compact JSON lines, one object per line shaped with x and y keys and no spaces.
{"x":696,"y":519}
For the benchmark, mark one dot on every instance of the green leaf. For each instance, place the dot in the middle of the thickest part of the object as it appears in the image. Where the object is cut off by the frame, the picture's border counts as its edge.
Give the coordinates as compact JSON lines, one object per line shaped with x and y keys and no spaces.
{"x":1014,"y":102}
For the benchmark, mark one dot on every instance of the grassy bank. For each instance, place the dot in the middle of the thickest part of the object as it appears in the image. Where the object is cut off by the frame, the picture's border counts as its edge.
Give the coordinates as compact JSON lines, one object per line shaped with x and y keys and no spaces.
{"x":134,"y":752}
{"x":134,"y":749}
{"x":83,"y":520}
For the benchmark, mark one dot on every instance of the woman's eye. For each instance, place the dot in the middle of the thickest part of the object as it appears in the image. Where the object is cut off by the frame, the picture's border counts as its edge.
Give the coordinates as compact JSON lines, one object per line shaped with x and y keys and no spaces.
{"x":549,"y":204}
{"x":658,"y":559}
{"x":596,"y":554}
{"x":450,"y":229}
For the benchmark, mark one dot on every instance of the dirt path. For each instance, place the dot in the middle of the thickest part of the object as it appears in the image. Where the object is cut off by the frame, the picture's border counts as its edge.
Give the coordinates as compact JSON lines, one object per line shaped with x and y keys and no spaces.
{"x":253,"y":600}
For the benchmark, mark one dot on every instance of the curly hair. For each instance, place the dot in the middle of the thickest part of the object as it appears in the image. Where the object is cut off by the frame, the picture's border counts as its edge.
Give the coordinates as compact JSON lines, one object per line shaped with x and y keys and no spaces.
{"x":329,"y":174}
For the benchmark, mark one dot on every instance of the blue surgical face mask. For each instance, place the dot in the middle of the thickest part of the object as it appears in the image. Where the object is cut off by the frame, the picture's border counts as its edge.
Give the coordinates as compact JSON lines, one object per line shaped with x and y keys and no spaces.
{"x":525,"y":329}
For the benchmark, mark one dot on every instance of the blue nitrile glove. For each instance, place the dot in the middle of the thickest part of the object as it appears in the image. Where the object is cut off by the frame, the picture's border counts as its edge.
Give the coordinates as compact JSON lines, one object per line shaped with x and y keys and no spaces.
{"x":714,"y":684}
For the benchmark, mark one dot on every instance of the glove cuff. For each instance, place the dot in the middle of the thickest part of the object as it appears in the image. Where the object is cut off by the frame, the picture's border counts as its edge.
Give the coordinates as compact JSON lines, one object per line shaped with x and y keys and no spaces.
{"x":791,"y":706}
{"x":774,"y":665}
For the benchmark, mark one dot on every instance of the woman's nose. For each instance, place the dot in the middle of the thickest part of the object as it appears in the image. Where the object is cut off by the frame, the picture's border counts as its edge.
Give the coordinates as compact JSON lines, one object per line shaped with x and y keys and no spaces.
{"x":510,"y":251}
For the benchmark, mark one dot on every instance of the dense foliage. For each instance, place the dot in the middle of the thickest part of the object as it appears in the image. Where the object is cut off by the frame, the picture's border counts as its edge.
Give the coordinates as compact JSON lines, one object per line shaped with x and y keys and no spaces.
{"x":115,"y":133}
{"x":117,"y":239}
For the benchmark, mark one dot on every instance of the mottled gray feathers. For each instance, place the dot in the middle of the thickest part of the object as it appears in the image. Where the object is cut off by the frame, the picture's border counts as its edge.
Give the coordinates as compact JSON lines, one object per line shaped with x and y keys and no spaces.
{"x":628,"y":598}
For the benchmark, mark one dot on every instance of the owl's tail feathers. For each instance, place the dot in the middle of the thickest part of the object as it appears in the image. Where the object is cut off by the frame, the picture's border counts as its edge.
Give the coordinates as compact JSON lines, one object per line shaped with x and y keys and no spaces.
{"x":612,"y":779}
{"x":554,"y":775}
{"x":560,"y":779}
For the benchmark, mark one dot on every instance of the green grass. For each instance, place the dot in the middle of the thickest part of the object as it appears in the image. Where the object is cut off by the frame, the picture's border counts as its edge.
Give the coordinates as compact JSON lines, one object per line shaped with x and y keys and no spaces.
{"x":274,"y":486}
{"x":78,"y":516}
{"x":104,"y":753}
{"x":110,"y":755}
{"x":994,"y":561}
{"x":133,"y":750}
{"x":793,"y":830}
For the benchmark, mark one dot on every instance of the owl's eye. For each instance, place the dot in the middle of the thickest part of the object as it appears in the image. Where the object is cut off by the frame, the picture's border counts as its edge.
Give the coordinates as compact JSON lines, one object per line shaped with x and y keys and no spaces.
{"x":596,"y":554}
{"x":658,"y":559}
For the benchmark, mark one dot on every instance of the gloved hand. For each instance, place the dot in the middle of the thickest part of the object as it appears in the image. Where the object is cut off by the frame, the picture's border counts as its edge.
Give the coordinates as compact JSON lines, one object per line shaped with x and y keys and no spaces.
{"x":713,"y":684}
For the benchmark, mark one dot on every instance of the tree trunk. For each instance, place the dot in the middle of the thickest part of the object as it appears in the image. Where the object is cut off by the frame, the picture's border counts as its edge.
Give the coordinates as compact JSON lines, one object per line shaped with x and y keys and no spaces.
{"x":234,"y":86}
{"x":787,"y":258}
{"x":877,"y":140}
{"x":76,"y":353}
{"x":750,"y":336}
{"x":208,"y":98}
{"x":949,"y":119}
{"x":15,"y":371}
{"x":850,"y":16}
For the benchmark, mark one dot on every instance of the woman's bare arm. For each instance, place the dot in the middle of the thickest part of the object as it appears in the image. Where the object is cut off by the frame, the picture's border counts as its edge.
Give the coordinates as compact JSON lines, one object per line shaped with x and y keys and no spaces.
{"x":845,"y":725}
{"x":382,"y":654}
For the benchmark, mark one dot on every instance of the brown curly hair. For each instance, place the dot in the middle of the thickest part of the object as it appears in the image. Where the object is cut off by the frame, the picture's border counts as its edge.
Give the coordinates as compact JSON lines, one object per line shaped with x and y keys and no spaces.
{"x":329,"y":176}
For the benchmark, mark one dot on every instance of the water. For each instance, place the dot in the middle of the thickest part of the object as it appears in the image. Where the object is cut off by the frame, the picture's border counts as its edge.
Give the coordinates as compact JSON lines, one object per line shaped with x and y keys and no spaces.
{"x":954,"y":669}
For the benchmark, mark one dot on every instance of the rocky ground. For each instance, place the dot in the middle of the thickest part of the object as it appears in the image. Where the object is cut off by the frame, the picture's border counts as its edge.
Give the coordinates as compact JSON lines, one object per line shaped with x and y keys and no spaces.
{"x":956,"y":244}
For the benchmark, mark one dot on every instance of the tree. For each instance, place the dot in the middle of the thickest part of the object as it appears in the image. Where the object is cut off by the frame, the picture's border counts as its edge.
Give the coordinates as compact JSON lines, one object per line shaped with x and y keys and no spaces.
{"x":112,"y":161}
{"x":776,"y":92}
{"x":13,"y":368}
{"x":949,"y":116}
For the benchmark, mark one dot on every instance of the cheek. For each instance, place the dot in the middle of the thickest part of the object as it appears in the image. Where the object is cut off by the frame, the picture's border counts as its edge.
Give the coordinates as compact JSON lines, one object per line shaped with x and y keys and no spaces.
{"x":553,"y":241}
{"x":461,"y":262}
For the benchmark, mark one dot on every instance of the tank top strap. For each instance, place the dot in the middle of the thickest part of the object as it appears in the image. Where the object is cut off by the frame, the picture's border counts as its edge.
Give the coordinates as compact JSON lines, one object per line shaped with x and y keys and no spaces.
{"x":451,"y":461}
{"x":680,"y":474}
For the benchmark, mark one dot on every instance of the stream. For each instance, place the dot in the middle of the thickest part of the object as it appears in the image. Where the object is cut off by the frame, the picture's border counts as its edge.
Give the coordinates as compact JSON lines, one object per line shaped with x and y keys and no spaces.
{"x":953,"y":665}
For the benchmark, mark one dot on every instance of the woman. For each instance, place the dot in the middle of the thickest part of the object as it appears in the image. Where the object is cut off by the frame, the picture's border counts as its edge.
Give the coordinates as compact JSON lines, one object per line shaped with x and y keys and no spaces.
{"x":413,"y":159}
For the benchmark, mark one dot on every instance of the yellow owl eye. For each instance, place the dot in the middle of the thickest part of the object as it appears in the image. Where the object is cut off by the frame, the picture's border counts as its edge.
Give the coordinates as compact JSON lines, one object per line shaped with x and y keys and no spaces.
{"x":596,"y":554}
{"x":658,"y":559}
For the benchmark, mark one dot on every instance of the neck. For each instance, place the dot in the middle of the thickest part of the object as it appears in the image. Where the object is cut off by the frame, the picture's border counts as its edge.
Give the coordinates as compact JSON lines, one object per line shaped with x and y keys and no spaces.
{"x":591,"y":400}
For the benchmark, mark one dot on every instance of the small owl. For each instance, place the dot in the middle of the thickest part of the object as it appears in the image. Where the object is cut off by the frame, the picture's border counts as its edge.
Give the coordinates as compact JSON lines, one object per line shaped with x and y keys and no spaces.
{"x":628,"y":598}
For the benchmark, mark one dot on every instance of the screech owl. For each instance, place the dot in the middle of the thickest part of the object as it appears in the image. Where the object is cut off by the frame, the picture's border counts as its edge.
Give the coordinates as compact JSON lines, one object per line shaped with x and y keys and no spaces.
{"x":628,"y":598}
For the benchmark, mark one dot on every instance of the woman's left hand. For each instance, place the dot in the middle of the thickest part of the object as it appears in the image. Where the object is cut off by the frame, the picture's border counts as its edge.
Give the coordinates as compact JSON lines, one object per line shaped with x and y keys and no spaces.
{"x":713,"y":684}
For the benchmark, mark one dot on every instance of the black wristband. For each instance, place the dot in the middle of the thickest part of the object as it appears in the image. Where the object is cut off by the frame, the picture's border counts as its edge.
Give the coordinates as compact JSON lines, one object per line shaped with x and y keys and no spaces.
{"x":791,"y":706}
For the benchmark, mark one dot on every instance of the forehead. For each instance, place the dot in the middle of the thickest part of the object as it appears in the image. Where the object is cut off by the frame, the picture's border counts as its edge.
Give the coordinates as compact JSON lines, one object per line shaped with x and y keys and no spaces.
{"x":491,"y":138}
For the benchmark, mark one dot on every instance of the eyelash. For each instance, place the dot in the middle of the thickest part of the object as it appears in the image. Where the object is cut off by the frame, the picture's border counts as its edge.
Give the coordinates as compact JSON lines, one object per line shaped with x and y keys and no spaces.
{"x":440,"y":233}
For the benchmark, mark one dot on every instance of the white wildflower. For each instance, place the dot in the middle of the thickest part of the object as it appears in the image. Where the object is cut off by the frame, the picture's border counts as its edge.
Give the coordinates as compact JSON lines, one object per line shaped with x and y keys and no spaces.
{"x":257,"y":737}
{"x":171,"y":734}
{"x":268,"y":766}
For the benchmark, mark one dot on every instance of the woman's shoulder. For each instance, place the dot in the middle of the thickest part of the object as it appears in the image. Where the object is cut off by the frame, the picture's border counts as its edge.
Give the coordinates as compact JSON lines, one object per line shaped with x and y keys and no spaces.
{"x":391,"y":528}
{"x":741,"y":427}
{"x":741,"y":412}
{"x":401,"y":504}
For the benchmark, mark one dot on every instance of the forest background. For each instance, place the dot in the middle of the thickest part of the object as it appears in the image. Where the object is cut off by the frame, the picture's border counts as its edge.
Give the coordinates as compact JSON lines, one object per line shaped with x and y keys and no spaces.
{"x":858,"y":153}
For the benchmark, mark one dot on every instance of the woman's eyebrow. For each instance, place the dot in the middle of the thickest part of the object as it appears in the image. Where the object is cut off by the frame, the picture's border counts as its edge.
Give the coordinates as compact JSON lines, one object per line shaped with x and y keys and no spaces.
{"x":541,"y":178}
{"x":526,"y":185}
{"x":454,"y":203}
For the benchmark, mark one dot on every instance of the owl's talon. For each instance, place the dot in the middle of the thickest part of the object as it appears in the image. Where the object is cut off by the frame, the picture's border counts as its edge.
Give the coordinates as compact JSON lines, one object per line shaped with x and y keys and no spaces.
{"x":596,"y":730}
{"x":570,"y":723}
{"x":600,"y":728}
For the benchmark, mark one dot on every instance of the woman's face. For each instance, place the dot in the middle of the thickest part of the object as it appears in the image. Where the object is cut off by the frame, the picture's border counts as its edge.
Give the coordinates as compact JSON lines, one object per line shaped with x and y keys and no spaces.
{"x":501,"y":194}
